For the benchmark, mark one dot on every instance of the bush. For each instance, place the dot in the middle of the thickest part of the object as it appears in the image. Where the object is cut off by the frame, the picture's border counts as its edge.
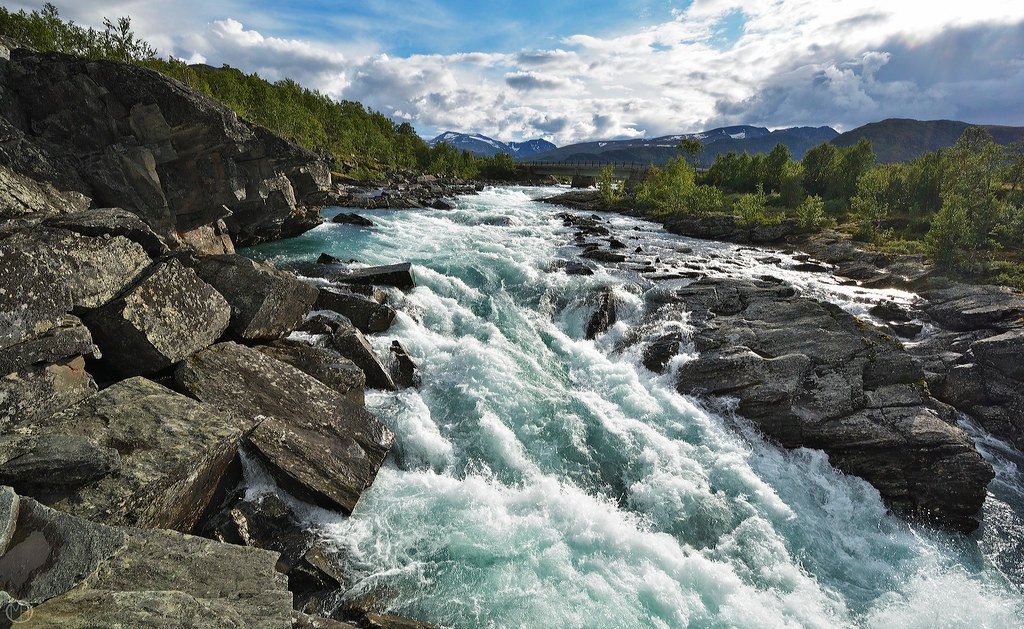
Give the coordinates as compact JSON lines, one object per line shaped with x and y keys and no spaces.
{"x":667,"y":190}
{"x":752,"y":210}
{"x":608,"y":188}
{"x":810,"y":215}
{"x":951,"y":237}
{"x":705,"y":200}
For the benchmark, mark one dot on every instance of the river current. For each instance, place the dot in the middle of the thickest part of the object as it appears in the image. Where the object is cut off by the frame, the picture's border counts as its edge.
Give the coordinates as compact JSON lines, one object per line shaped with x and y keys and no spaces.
{"x":544,"y":480}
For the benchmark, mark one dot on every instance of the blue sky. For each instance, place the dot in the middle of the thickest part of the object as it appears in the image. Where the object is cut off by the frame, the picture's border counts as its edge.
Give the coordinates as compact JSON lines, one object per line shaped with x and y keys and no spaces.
{"x":580,"y":70}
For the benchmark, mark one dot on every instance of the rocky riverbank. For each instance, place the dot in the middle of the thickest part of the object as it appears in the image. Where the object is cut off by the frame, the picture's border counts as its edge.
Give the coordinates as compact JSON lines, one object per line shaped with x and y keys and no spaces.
{"x":879,"y":396}
{"x":145,"y":364}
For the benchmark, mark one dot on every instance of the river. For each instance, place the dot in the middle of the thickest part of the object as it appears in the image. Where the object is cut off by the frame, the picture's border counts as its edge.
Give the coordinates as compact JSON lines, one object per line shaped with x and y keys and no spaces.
{"x":543,"y":480}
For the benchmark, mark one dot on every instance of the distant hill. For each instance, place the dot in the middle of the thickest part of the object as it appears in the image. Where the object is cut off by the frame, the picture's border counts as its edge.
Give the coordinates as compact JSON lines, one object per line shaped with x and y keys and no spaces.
{"x":716,"y":141}
{"x":483,"y":146}
{"x":902,"y":139}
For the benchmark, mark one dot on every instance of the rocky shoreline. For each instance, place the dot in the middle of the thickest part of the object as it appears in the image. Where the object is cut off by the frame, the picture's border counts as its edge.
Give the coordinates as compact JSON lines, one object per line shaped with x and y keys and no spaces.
{"x":880,"y":398}
{"x":145,"y":363}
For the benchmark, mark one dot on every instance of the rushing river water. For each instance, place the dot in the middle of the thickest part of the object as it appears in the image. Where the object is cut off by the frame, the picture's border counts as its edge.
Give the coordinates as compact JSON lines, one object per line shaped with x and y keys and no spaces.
{"x":543,"y":480}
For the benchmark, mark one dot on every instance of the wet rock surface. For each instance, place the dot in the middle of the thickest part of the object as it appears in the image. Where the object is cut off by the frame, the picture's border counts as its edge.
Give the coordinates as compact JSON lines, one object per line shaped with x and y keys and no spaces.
{"x":366,"y":314}
{"x":324,"y":364}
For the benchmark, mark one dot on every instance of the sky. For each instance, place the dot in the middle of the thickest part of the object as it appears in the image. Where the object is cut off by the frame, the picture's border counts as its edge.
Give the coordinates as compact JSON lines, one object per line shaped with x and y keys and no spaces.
{"x":578,"y":70}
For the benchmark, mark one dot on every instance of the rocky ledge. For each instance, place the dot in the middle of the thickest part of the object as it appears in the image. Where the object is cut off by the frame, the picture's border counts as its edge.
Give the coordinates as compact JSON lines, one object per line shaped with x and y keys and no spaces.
{"x":808,"y":374}
{"x":401,"y":189}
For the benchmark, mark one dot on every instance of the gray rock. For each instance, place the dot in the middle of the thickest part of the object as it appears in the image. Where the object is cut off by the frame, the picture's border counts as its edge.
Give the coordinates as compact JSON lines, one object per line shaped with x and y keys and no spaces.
{"x":95,"y":269}
{"x":965,"y":307}
{"x":166,"y":317}
{"x":1003,"y":352}
{"x":603,"y":255}
{"x":398,"y":275}
{"x":25,"y":202}
{"x":9,"y":506}
{"x":63,"y":337}
{"x":352,"y":219}
{"x":265,"y":303}
{"x":350,"y":343}
{"x":327,"y":366}
{"x":604,"y":316}
{"x":146,"y":143}
{"x":33,"y":295}
{"x":36,"y":392}
{"x":317,"y":444}
{"x":811,"y":375}
{"x":113,"y":222}
{"x":404,"y":372}
{"x":173,"y":456}
{"x":42,"y":464}
{"x":366,"y":314}
{"x":81,"y":574}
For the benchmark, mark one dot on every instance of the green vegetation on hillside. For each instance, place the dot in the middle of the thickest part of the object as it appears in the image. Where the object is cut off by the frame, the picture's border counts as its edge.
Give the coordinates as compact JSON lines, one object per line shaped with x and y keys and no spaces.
{"x":361,"y":142}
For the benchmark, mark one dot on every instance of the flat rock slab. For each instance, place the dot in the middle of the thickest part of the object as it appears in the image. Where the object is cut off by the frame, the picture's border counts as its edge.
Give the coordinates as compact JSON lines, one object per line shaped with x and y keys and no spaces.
{"x":166,"y":317}
{"x":366,"y":314}
{"x":398,"y":275}
{"x":112,"y":221}
{"x":78,"y":573}
{"x":165,"y":456}
{"x":317,"y":444}
{"x":974,"y":307}
{"x":327,"y":366}
{"x":811,"y":375}
{"x":350,"y":343}
{"x":62,"y":337}
{"x":265,"y":303}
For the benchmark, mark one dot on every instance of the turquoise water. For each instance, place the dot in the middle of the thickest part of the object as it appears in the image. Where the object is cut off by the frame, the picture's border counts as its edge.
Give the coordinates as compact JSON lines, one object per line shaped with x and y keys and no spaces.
{"x":542,"y":480}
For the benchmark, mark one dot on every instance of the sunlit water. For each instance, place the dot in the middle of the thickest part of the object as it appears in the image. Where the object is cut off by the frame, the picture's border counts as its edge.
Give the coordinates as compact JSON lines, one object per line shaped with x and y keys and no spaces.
{"x":542,"y":480}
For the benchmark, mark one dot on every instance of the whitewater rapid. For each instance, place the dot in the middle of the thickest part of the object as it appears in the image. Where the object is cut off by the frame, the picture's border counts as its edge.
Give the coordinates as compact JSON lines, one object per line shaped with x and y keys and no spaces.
{"x":543,"y":480}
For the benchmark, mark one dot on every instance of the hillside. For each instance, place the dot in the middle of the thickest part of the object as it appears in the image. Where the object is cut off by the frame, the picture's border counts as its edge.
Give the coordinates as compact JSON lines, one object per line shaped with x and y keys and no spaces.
{"x":716,"y":141}
{"x":483,"y":146}
{"x":902,"y":139}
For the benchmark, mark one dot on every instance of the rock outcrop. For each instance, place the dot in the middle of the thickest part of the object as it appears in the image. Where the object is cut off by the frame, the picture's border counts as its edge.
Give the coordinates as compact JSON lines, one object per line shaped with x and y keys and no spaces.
{"x":326,"y":365}
{"x":366,"y":314}
{"x":317,"y":444}
{"x":128,"y":137}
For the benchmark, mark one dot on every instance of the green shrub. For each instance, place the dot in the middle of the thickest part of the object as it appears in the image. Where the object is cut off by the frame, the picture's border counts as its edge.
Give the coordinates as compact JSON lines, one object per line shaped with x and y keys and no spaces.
{"x":951,"y":236}
{"x":810,"y":215}
{"x":667,"y":190}
{"x":705,"y":200}
{"x":752,"y":210}
{"x":609,"y":188}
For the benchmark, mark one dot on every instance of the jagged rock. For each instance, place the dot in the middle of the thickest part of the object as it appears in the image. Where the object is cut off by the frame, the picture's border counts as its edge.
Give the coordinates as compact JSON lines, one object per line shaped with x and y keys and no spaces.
{"x":615,"y":243}
{"x":163,"y":319}
{"x":113,"y":222}
{"x":398,"y":275}
{"x":89,"y":575}
{"x":25,"y":202}
{"x":41,"y":464}
{"x":366,"y":314}
{"x":578,"y":268}
{"x":326,"y":258}
{"x":811,"y":375}
{"x":1003,"y":352}
{"x":974,"y":307}
{"x":63,"y":337}
{"x":207,"y":240}
{"x":265,"y":303}
{"x":141,"y":141}
{"x":38,"y":391}
{"x":890,"y":311}
{"x":440,"y":204}
{"x":604,"y":316}
{"x":352,"y":219}
{"x":327,"y":366}
{"x":351,"y":344}
{"x":33,"y":297}
{"x":9,"y":506}
{"x":317,"y":444}
{"x":173,"y":454}
{"x":660,"y":351}
{"x":403,"y":369}
{"x":94,"y":269}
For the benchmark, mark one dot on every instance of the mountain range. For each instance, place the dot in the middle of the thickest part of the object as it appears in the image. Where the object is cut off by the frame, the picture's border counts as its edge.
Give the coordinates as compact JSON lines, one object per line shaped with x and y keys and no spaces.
{"x":894,"y":140}
{"x":483,"y":146}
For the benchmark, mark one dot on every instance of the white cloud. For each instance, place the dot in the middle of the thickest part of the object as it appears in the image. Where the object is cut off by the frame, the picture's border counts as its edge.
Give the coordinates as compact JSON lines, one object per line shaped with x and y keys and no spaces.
{"x":794,"y":62}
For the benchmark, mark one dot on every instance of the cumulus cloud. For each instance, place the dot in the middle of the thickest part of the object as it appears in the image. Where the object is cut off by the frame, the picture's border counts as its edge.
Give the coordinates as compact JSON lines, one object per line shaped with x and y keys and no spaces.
{"x":768,"y":62}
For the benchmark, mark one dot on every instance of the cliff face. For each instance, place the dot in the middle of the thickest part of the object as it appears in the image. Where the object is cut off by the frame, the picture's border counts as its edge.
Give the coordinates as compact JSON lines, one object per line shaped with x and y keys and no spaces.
{"x":130,"y":137}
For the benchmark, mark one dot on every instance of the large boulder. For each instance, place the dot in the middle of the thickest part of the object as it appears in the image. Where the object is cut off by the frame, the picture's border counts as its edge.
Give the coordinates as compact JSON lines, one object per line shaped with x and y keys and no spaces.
{"x":265,"y":303}
{"x":38,"y":391}
{"x":808,"y":374}
{"x":350,"y":343}
{"x":113,"y":222}
{"x":62,"y":337}
{"x":366,"y":314}
{"x":94,"y":269}
{"x":965,"y":307}
{"x":163,"y":456}
{"x":160,"y":321}
{"x":398,"y":275}
{"x":25,"y":202}
{"x":316,"y":443}
{"x":76,"y":573}
{"x":604,"y":315}
{"x":130,"y":137}
{"x":326,"y":365}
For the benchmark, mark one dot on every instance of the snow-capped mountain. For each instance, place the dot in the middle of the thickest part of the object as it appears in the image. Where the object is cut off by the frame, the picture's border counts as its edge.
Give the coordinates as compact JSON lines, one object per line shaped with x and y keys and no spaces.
{"x":484,"y":146}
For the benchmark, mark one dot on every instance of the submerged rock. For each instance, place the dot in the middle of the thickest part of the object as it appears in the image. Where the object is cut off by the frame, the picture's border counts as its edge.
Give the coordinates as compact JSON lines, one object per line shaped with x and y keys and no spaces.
{"x":604,"y":316}
{"x":403,"y":370}
{"x":352,"y":219}
{"x":166,"y":317}
{"x":317,"y":444}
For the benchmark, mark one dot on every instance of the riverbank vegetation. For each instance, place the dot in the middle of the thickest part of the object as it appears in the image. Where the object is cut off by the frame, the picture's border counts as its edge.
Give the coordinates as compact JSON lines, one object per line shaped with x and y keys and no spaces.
{"x":360,"y":142}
